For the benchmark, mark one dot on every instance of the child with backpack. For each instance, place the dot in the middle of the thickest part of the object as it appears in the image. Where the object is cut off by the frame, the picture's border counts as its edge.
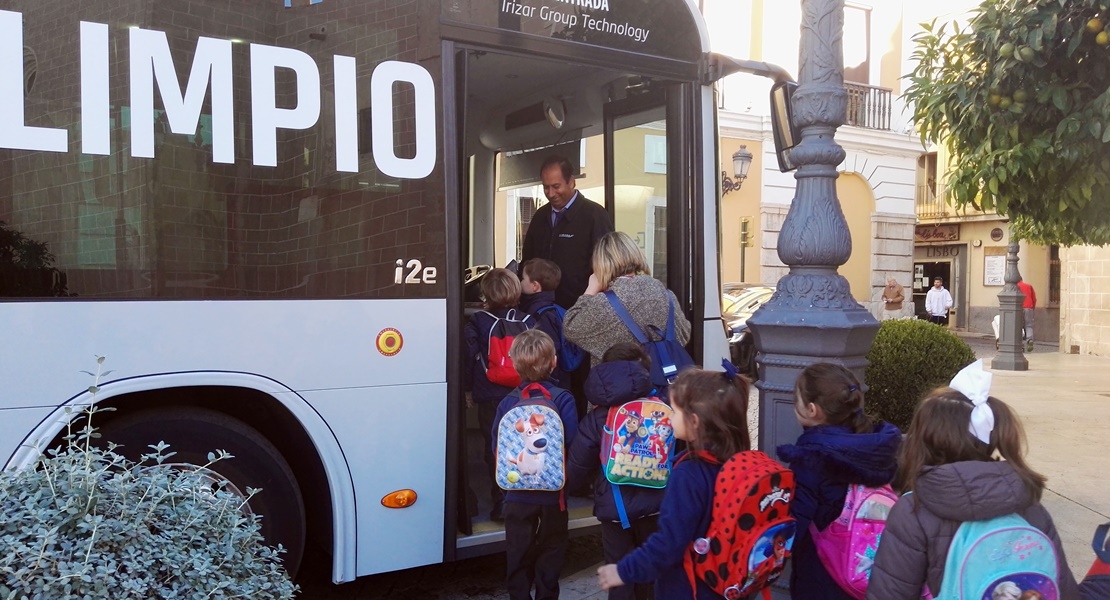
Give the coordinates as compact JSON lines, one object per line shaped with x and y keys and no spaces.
{"x":968,"y":522}
{"x":539,"y":278}
{"x":716,"y":538}
{"x":488,"y":375}
{"x":533,"y":427}
{"x":619,"y":388}
{"x":840,"y":451}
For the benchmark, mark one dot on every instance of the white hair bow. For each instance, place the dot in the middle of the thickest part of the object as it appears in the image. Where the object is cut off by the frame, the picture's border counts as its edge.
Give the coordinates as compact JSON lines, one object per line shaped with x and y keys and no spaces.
{"x":975,"y":383}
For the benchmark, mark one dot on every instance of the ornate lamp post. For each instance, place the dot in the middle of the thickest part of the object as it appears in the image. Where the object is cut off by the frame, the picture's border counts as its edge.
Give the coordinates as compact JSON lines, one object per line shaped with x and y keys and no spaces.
{"x":1010,"y":356}
{"x":741,"y":162}
{"x":812,"y":316}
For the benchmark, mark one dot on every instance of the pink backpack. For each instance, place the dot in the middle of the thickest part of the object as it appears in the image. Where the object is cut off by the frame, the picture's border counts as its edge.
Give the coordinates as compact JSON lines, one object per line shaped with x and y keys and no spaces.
{"x":847,"y":546}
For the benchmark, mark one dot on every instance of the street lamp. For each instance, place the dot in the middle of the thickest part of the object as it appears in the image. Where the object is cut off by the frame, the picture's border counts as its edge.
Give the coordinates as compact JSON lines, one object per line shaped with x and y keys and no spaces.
{"x":741,"y":162}
{"x":812,"y":317}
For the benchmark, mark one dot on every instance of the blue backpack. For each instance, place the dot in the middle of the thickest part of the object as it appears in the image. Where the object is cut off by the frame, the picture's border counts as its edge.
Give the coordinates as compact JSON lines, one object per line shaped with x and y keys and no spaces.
{"x":570,"y":355}
{"x":668,"y":357}
{"x":1000,"y":555}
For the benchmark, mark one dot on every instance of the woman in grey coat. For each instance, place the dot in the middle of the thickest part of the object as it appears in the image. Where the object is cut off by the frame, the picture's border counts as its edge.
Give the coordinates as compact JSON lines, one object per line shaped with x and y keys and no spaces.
{"x":948,"y":465}
{"x":619,"y":265}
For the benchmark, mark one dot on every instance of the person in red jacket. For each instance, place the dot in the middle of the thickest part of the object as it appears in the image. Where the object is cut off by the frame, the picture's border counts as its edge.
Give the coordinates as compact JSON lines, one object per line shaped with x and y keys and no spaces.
{"x":1028,"y":308}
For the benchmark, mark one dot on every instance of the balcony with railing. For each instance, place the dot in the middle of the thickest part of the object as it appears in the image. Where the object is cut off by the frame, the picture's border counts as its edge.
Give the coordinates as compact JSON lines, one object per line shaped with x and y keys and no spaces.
{"x":930,"y":203}
{"x":868,"y":106}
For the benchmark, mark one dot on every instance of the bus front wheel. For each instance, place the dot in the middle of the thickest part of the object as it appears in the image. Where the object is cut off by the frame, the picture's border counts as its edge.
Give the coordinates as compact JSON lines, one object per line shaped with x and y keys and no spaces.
{"x":194,"y":432}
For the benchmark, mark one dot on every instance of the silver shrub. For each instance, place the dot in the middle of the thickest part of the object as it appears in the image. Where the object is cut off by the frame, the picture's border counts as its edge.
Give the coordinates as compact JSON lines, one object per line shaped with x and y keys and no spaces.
{"x":85,"y":522}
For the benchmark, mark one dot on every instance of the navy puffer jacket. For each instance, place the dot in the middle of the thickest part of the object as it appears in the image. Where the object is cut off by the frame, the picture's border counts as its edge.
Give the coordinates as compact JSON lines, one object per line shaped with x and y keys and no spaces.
{"x":825,"y":460}
{"x":609,"y":384}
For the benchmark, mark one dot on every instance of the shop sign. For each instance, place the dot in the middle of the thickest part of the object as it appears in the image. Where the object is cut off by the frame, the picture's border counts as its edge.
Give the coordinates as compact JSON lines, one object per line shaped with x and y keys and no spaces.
{"x":936,"y":233}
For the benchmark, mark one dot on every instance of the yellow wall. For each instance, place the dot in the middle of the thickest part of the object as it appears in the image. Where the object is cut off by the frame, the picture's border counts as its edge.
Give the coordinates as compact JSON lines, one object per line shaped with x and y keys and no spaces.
{"x":858,"y":202}
{"x":738,"y":204}
{"x":1033,"y":263}
{"x":890,"y":66}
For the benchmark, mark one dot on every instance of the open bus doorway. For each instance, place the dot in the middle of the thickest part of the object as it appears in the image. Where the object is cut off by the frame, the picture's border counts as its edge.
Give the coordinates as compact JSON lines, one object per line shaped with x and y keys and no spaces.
{"x":515,"y":111}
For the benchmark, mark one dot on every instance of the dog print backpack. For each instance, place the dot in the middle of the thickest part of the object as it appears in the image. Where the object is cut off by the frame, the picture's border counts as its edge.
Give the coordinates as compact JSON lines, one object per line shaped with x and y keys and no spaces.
{"x":499,"y":367}
{"x":847,"y":546}
{"x":751,"y":532}
{"x":1003,"y":555}
{"x":530,"y":444}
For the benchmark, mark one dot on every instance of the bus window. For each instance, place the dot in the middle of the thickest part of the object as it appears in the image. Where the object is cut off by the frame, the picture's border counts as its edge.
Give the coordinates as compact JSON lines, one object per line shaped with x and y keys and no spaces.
{"x":639,"y":171}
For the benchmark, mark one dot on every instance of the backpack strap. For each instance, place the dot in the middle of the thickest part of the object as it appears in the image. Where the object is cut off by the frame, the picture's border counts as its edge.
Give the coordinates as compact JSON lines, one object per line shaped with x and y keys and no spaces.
{"x":670,"y":320}
{"x":621,"y":511}
{"x":702,"y":454}
{"x":1099,"y":543}
{"x":629,"y":322}
{"x":524,"y":392}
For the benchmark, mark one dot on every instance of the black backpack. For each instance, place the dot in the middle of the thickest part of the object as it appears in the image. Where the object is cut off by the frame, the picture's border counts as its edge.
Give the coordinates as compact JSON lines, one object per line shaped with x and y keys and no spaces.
{"x":668,"y":357}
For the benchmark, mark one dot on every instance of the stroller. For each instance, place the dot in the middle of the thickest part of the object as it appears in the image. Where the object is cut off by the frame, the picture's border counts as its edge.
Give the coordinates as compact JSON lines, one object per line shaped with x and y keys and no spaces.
{"x":996,"y":323}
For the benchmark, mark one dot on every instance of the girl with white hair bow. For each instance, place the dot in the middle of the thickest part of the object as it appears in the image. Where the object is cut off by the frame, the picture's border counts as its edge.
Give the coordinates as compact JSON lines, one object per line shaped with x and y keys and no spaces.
{"x":963,"y":459}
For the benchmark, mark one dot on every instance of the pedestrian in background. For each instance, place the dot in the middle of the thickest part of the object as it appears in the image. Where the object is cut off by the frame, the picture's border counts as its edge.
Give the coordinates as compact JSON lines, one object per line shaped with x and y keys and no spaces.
{"x":893,"y":296}
{"x":938,"y":302}
{"x":1028,"y":308}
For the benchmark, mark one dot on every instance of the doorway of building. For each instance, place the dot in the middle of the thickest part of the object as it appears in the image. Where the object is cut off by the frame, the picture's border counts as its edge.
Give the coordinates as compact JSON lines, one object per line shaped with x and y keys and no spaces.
{"x":923,"y":275}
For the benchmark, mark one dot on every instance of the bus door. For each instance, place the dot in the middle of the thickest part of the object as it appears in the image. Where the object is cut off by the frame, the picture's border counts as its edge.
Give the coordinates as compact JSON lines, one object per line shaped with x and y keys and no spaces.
{"x":647,"y":162}
{"x":636,"y":173}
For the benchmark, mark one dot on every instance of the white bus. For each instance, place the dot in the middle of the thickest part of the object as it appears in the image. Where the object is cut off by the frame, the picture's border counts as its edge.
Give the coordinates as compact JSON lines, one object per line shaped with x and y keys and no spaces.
{"x":264,"y":214}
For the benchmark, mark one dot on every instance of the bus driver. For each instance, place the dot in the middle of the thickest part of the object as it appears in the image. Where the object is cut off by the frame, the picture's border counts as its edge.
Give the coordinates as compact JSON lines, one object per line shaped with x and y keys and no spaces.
{"x":565,"y":229}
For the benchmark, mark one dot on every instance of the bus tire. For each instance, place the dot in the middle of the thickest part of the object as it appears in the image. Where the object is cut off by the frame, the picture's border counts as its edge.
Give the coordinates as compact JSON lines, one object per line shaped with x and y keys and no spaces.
{"x":194,"y":432}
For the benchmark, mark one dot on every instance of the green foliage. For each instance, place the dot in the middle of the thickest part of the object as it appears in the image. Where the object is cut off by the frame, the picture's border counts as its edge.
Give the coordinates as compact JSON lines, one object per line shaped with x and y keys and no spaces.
{"x":909,"y":358}
{"x":85,"y":522}
{"x":1020,"y":97}
{"x":27,"y":266}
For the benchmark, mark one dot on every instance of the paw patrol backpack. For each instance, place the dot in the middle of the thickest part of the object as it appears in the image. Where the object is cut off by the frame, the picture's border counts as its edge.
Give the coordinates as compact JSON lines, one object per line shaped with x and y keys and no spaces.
{"x":751,"y":532}
{"x":531,"y":444}
{"x":1000,"y":554}
{"x":637,"y":448}
{"x":848,"y":545}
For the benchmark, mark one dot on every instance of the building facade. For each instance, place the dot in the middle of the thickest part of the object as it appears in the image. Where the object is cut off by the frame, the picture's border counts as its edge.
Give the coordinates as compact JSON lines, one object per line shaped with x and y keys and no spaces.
{"x":877,"y":179}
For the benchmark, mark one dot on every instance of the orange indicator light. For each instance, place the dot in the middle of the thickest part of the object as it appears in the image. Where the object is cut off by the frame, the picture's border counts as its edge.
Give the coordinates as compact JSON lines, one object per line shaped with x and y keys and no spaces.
{"x":399,"y":499}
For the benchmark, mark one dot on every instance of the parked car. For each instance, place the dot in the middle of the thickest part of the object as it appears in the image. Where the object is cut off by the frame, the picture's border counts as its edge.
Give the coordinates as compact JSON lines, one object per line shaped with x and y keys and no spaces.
{"x":738,"y":302}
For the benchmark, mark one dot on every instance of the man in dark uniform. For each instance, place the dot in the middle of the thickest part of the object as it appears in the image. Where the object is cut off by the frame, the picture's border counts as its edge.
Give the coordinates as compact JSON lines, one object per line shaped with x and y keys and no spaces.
{"x":565,"y":229}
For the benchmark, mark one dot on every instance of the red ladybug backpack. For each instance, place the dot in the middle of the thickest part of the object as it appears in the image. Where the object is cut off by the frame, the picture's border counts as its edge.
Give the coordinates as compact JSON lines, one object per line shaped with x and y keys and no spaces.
{"x":751,"y":532}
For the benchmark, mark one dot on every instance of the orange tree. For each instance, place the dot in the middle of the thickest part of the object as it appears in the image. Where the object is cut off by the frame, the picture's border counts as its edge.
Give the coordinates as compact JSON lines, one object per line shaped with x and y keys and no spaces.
{"x":1020,"y":97}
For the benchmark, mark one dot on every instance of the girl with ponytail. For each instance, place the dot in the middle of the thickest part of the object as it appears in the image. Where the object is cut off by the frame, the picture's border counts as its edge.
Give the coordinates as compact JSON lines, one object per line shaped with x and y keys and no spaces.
{"x":840,"y":446}
{"x":963,"y":459}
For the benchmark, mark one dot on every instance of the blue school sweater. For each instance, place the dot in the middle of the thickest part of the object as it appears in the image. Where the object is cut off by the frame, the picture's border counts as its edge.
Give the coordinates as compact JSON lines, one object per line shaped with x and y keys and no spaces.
{"x":548,"y":322}
{"x":564,"y":405}
{"x":684,"y":517}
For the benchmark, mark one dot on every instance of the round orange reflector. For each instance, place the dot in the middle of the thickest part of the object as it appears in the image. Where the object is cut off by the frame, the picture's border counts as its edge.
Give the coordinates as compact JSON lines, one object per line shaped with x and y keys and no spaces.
{"x":399,"y":499}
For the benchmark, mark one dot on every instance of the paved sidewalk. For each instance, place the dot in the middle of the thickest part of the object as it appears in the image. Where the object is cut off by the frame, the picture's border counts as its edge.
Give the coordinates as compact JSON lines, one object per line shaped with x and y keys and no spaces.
{"x":1064,"y":403}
